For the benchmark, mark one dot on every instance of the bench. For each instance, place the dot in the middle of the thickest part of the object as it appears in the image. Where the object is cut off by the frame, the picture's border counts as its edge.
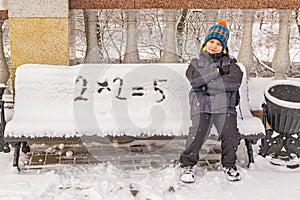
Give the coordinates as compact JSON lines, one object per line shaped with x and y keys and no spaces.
{"x":91,"y":101}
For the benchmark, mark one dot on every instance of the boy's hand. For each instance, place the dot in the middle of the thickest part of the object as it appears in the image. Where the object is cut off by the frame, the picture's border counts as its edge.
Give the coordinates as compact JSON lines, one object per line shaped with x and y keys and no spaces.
{"x":221,"y":71}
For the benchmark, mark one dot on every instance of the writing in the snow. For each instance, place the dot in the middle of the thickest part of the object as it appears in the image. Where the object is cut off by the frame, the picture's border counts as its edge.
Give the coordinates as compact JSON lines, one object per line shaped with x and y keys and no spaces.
{"x":136,"y":91}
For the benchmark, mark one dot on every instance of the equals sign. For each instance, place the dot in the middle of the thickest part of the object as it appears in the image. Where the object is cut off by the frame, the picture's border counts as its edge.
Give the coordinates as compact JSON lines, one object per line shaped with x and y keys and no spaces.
{"x":137,"y":91}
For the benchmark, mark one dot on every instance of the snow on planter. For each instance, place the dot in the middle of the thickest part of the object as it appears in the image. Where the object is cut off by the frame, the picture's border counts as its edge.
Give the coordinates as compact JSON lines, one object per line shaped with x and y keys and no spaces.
{"x":283,"y":106}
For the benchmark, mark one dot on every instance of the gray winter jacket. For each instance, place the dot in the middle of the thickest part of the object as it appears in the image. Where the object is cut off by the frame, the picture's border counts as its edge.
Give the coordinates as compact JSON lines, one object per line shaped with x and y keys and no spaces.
{"x":215,"y":80}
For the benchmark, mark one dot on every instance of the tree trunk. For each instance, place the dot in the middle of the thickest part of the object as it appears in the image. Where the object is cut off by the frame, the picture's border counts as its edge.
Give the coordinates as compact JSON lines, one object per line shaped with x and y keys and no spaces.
{"x":180,"y":32}
{"x":245,"y":53}
{"x":297,"y":13}
{"x":281,"y":60}
{"x":4,"y":72}
{"x":92,"y":52}
{"x":169,"y":54}
{"x":131,"y":50}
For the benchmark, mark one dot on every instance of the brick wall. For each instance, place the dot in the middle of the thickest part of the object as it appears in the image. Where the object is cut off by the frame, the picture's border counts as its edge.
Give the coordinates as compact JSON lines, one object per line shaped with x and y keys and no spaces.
{"x":136,"y":4}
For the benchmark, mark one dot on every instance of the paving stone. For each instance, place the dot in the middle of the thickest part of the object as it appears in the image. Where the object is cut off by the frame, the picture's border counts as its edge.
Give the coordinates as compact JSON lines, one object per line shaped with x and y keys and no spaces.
{"x":127,"y":156}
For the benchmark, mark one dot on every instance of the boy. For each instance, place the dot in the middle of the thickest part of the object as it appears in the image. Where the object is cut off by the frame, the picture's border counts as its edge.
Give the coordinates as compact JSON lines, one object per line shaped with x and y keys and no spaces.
{"x":215,"y":79}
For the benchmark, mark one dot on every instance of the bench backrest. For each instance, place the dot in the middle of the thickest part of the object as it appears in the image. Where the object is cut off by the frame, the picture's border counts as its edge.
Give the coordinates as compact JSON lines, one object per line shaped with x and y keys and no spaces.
{"x":100,"y":99}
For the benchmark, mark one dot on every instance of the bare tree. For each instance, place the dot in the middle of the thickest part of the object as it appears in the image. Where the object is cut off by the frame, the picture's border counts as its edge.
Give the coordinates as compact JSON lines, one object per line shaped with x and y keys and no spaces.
{"x":111,"y":34}
{"x":281,"y":60}
{"x":297,"y":16}
{"x":169,"y":54}
{"x":195,"y":33}
{"x":4,"y":72}
{"x":131,"y":49}
{"x":180,"y":31}
{"x":92,"y":52}
{"x":245,"y":55}
{"x":211,"y":16}
{"x":150,"y":30}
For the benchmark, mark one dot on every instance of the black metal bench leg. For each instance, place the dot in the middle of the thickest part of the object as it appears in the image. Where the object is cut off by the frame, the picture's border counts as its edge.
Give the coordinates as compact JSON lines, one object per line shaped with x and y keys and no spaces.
{"x":2,"y":143}
{"x":6,"y":148}
{"x":248,"y":144}
{"x":25,"y":147}
{"x":17,"y":155}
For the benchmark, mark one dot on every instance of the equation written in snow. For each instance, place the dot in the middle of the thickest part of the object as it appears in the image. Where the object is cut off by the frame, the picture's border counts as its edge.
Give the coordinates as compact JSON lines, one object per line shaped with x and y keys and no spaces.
{"x":136,"y":91}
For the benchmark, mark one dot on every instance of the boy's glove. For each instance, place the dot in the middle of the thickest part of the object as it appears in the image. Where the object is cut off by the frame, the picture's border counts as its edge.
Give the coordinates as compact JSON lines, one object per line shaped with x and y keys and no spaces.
{"x":204,"y":90}
{"x":222,"y":71}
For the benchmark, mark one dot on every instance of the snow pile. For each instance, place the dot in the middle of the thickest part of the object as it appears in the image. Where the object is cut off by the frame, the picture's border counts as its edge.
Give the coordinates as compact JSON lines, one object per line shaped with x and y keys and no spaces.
{"x":247,"y":124}
{"x":99,"y":99}
{"x":257,"y":88}
{"x":43,"y":100}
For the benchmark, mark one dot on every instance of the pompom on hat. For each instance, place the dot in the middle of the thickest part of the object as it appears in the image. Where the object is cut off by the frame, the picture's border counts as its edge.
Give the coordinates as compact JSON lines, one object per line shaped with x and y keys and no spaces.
{"x":220,"y":32}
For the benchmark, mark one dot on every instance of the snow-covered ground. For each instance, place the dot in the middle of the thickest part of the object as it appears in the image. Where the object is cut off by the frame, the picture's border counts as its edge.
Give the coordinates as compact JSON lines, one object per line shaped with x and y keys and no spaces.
{"x":262,"y":181}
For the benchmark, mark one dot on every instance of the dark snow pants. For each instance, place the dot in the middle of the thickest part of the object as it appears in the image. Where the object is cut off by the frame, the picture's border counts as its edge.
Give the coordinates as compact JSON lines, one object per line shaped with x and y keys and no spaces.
{"x":226,"y":125}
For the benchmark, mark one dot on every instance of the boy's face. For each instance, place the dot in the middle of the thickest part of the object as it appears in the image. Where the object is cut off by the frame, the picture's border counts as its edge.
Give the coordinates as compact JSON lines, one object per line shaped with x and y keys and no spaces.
{"x":214,"y":46}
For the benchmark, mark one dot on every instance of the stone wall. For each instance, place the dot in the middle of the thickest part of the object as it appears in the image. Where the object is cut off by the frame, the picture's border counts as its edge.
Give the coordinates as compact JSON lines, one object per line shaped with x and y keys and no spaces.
{"x":39,"y":32}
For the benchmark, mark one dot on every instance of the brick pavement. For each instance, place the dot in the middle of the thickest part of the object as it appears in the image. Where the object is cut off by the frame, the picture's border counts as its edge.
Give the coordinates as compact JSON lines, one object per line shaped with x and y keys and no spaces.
{"x":134,"y":155}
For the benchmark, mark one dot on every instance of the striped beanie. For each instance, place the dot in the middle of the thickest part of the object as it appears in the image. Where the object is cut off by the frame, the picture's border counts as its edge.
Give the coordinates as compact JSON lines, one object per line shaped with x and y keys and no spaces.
{"x":220,"y":32}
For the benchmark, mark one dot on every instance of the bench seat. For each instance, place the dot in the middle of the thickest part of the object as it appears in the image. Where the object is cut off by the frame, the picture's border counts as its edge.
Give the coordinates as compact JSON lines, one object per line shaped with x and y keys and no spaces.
{"x":137,"y":100}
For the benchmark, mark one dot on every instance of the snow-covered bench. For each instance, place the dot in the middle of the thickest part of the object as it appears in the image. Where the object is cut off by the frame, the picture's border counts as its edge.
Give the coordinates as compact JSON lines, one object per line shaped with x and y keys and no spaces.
{"x":109,"y":100}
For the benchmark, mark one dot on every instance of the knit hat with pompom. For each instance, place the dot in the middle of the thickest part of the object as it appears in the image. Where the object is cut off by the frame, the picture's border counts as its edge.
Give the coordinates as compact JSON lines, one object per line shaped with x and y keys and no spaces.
{"x":218,"y":31}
